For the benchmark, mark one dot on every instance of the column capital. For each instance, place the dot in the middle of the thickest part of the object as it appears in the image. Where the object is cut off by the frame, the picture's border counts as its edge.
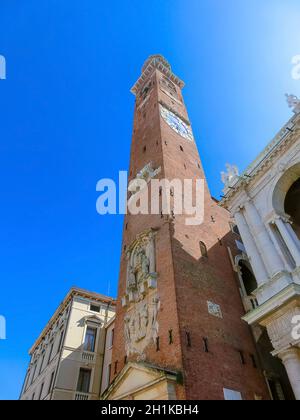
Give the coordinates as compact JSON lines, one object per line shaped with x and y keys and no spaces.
{"x":290,"y":354}
{"x":284,"y":217}
{"x":238,"y":210}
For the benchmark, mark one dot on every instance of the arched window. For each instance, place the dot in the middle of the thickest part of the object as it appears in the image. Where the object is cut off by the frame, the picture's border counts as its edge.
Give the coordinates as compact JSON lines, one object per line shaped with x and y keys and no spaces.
{"x":292,"y":205}
{"x":203,"y":249}
{"x":248,"y":278}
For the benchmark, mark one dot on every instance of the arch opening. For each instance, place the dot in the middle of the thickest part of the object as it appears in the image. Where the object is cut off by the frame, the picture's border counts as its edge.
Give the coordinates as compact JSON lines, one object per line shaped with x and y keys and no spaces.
{"x":282,"y":188}
{"x":292,"y":205}
{"x":249,"y":281}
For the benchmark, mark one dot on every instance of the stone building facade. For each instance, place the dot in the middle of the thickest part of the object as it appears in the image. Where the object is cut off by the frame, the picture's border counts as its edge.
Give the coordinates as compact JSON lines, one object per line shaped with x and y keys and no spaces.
{"x":265,"y":203}
{"x":67,"y":358}
{"x":178,"y":329}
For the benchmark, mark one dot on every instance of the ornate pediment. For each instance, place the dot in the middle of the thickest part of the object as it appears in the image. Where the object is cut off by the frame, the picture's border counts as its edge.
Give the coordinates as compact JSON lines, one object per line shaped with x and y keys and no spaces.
{"x":142,"y":381}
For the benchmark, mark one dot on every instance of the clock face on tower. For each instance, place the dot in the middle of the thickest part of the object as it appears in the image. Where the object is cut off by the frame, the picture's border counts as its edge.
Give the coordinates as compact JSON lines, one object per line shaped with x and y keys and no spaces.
{"x":176,"y":123}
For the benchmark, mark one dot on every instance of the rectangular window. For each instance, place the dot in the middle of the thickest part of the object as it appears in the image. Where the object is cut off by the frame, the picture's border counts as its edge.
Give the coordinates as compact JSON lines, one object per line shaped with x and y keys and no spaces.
{"x":42,"y":362}
{"x":26,"y":382}
{"x":84,"y":381}
{"x":60,"y":340}
{"x":51,"y":383}
{"x":242,"y":357}
{"x":34,"y":371}
{"x":111,"y":339}
{"x":90,"y":339}
{"x":108,"y":374}
{"x":41,"y":391}
{"x":231,"y":395}
{"x":51,"y":351}
{"x":95,"y":308}
{"x":254,"y":363}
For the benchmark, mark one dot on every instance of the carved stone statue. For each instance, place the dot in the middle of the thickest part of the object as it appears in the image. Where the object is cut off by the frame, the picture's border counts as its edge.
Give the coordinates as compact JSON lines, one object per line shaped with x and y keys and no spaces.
{"x":141,"y":273}
{"x":143,"y":321}
{"x":145,"y":263}
{"x":127,"y":329}
{"x":155,"y":310}
{"x":148,"y":172}
{"x":293,"y":102}
{"x":131,"y":279}
{"x":232,"y":172}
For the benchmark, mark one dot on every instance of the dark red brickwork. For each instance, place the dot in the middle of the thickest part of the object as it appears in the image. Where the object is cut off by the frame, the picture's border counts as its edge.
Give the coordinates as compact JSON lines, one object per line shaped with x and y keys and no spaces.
{"x":205,"y":349}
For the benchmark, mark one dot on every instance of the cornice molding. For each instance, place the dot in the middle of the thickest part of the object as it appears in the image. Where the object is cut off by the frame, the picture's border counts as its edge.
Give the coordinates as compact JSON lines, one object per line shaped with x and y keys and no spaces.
{"x":155,"y":63}
{"x":289,"y":134}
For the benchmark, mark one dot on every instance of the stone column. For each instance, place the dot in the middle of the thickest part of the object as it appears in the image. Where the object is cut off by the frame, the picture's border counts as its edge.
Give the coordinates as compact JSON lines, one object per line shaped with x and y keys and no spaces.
{"x":291,"y":360}
{"x":289,"y":241}
{"x":267,"y":249}
{"x":256,"y":261}
{"x":293,"y":235}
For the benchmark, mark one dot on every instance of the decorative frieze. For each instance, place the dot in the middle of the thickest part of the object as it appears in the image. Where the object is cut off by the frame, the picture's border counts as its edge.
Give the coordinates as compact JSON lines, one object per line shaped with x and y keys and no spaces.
{"x":141,"y":299}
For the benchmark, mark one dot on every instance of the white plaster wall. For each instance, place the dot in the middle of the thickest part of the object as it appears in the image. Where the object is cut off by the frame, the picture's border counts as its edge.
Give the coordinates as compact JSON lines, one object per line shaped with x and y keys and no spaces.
{"x":68,"y":361}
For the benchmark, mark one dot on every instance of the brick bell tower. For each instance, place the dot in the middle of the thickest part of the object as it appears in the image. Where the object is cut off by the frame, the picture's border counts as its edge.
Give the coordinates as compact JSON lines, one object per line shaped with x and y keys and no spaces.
{"x":178,"y":331}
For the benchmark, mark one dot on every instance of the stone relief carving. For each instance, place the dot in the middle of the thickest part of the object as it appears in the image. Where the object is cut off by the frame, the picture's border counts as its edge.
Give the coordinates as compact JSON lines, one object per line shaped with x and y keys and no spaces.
{"x":141,"y":326}
{"x":214,"y":309}
{"x":142,"y":178}
{"x":231,"y":174}
{"x":141,"y":299}
{"x":293,"y":102}
{"x":141,"y":274}
{"x":148,"y":172}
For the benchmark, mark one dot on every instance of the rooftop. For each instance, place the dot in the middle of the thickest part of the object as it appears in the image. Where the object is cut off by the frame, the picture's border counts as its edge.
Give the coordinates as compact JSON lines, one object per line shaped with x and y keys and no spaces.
{"x":73,"y":292}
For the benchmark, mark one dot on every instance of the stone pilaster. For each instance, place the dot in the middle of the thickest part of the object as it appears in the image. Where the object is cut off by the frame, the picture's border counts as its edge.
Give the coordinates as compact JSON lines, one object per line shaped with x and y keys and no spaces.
{"x":288,"y":239}
{"x":255,"y":259}
{"x":270,"y":256}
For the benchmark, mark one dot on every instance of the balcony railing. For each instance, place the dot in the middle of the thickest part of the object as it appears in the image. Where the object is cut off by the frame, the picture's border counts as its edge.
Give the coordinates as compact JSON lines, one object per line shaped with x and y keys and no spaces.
{"x":88,"y":357}
{"x":80,"y":396}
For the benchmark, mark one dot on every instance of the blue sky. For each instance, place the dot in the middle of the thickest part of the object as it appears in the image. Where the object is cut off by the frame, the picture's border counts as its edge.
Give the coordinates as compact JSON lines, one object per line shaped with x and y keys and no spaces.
{"x":66,"y":118}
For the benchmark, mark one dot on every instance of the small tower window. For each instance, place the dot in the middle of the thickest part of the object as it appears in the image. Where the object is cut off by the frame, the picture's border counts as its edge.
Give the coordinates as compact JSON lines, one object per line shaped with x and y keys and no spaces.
{"x":242,"y":357}
{"x":188,"y":339}
{"x":234,"y":229}
{"x":145,"y":149}
{"x":181,"y":148}
{"x":205,"y":345}
{"x":157,"y":344}
{"x":203,"y":249}
{"x":116,"y":368}
{"x":253,"y":359}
